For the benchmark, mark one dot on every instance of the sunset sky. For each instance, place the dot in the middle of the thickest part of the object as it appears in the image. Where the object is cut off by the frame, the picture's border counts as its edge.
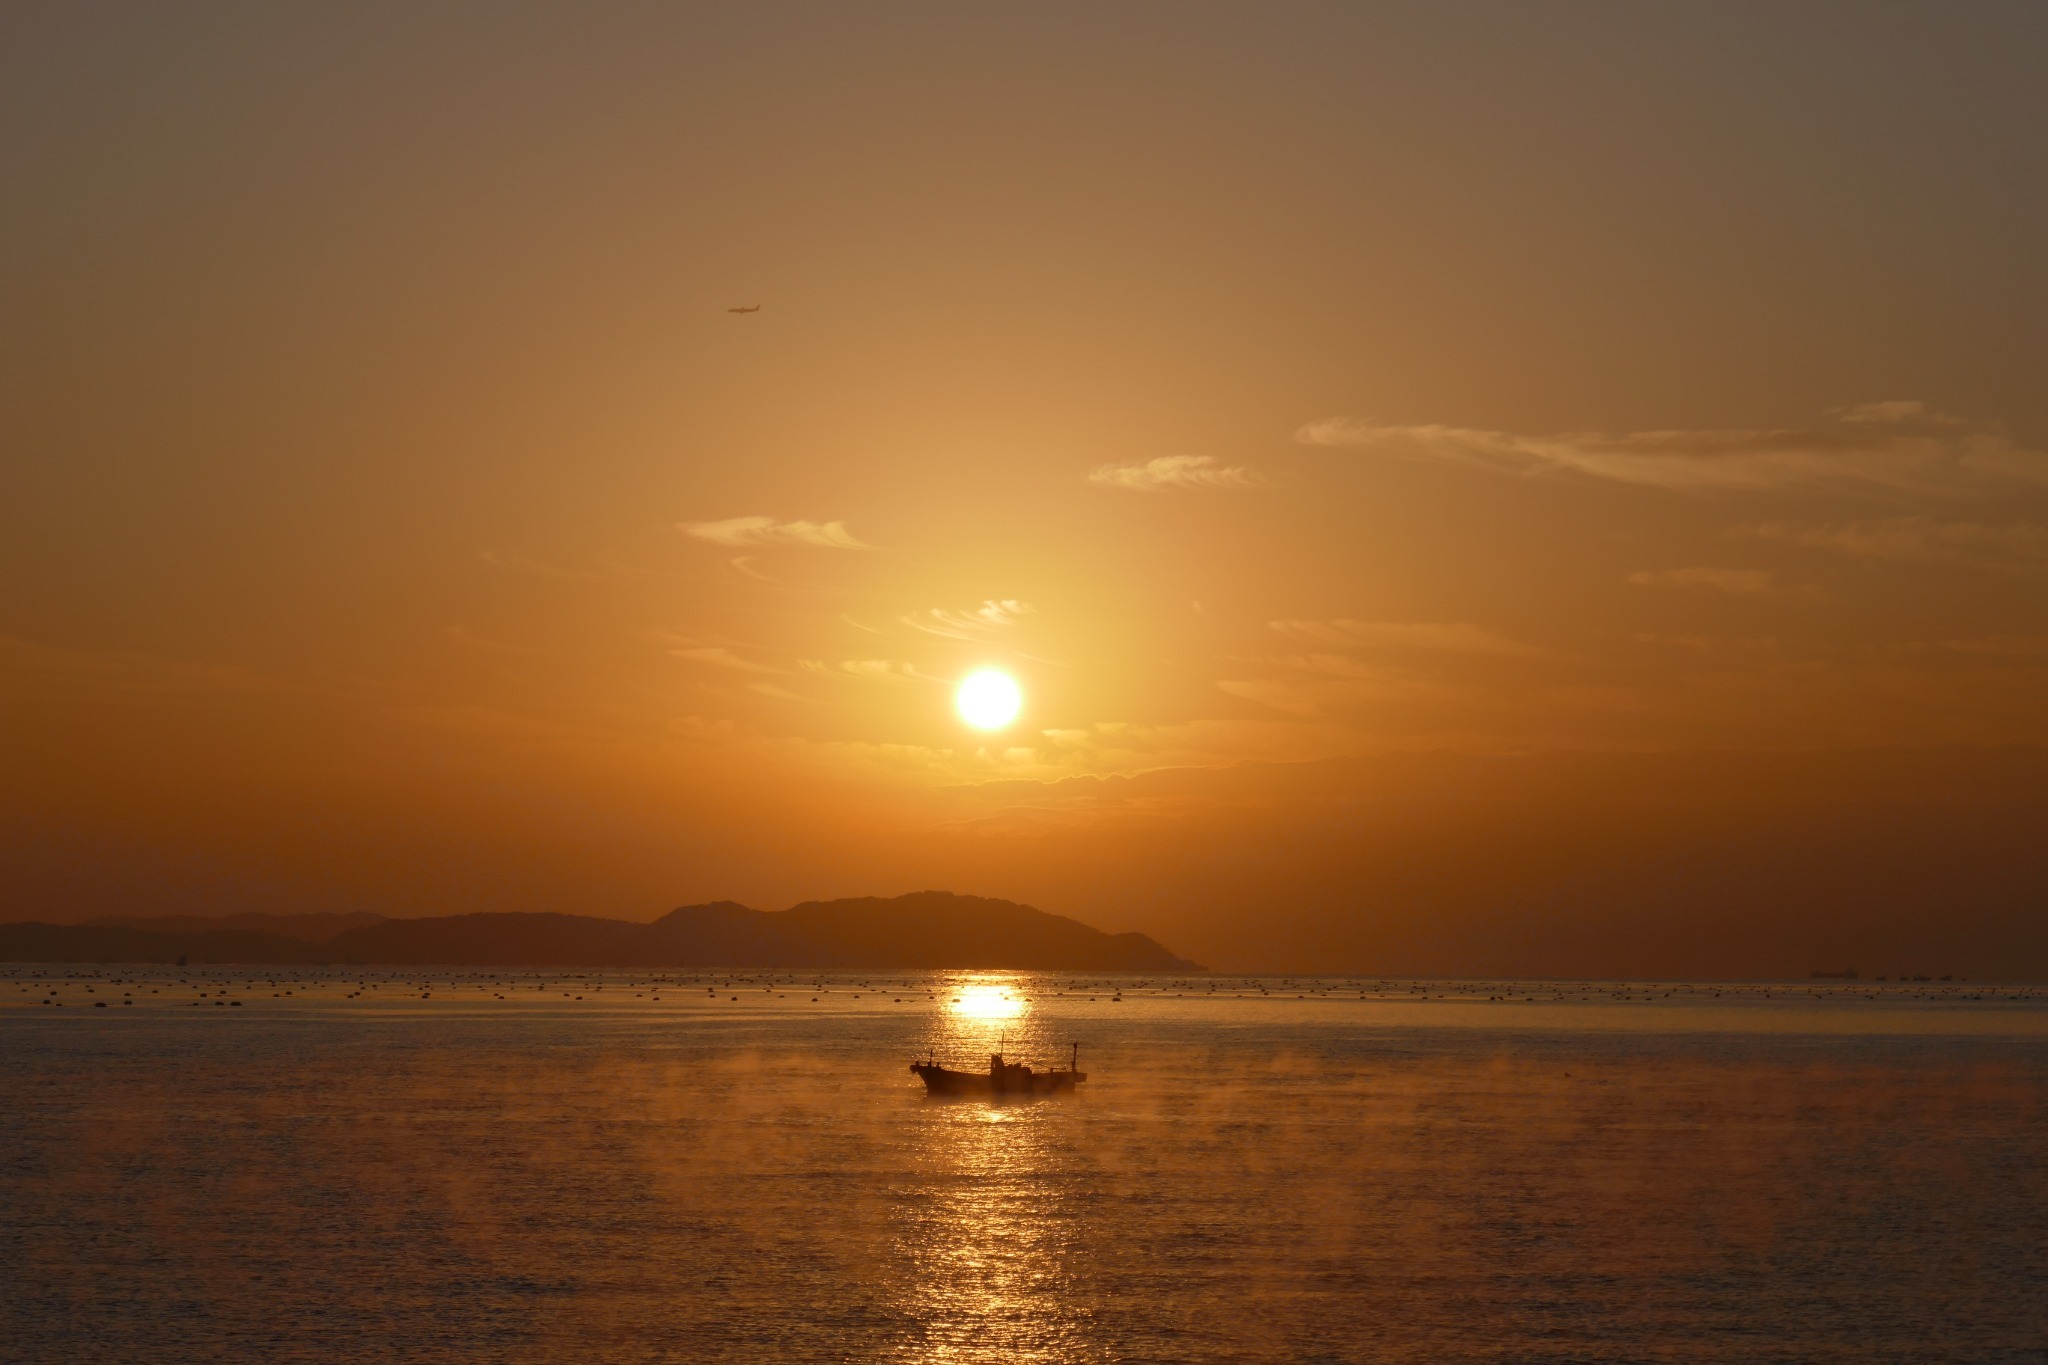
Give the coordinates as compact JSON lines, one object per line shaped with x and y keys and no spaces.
{"x":1644,"y":402}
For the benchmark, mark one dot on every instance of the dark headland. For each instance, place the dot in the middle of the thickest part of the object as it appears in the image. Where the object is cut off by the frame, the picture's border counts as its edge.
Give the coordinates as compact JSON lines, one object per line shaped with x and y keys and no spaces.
{"x":927,"y":929}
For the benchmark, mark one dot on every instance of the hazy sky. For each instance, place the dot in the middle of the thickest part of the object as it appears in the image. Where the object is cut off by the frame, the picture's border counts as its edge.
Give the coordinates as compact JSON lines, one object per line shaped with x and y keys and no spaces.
{"x":393,"y":517}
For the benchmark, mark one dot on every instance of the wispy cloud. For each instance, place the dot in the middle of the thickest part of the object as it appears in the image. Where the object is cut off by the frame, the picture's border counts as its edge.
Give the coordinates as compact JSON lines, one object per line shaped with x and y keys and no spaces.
{"x":988,"y":618}
{"x":720,"y":657}
{"x":1451,"y":636}
{"x":1332,"y":666}
{"x":1378,"y":665}
{"x":1174,"y":471}
{"x":2015,"y":545}
{"x":1712,"y":644}
{"x":870,"y":670}
{"x":1273,"y":692}
{"x":1897,"y":410}
{"x":1706,"y":579}
{"x":1311,"y":685}
{"x":742,"y":532}
{"x":1891,"y":448}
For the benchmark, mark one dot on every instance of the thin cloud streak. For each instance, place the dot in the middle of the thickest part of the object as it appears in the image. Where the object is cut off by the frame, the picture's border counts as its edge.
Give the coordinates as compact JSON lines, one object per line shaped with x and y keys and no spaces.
{"x":2017,"y":545}
{"x":1897,"y":410}
{"x":744,"y":532}
{"x":770,"y":690}
{"x":870,"y":670}
{"x":991,"y":616}
{"x":1739,"y":581}
{"x":1892,"y":449}
{"x":1450,"y":636}
{"x":1174,"y":471}
{"x":719,"y":657}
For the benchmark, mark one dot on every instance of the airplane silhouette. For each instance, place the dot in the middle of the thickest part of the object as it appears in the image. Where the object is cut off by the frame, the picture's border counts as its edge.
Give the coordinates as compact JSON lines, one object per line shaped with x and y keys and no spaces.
{"x":755,"y":309}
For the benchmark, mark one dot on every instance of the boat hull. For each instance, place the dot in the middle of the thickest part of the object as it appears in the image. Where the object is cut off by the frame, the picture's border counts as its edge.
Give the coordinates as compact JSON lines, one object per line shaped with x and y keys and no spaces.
{"x":943,"y":1082}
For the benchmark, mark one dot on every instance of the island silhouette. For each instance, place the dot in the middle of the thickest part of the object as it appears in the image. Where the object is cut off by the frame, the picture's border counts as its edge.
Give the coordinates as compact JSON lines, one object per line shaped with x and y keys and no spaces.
{"x":922,"y":930}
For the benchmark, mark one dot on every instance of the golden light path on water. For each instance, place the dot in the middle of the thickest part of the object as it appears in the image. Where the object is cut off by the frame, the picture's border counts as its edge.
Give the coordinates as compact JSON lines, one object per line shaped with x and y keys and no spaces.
{"x":988,"y":999}
{"x":992,"y":1245}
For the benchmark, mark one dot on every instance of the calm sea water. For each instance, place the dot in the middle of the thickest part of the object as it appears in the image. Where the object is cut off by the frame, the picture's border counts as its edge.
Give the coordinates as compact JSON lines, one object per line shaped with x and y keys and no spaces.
{"x":510,"y":1166}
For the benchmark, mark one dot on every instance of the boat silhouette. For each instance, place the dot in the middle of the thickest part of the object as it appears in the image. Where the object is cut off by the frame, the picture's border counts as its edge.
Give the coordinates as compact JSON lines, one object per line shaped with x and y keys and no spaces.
{"x":1001,"y":1078}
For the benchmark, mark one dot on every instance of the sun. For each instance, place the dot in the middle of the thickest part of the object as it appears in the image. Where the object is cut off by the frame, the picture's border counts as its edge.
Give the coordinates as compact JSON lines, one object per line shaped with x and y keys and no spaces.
{"x":988,"y":699}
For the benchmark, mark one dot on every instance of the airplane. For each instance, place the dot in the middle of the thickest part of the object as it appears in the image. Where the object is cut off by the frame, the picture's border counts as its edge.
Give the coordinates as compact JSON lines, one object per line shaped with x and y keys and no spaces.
{"x":755,"y":309}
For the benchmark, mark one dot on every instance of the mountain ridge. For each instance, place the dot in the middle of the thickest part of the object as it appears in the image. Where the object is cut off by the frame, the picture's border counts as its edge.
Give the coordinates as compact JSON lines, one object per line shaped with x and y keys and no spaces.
{"x":922,"y":930}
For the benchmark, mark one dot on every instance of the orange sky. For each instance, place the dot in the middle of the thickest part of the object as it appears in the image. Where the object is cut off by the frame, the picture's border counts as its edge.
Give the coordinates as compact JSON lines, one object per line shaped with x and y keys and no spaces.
{"x":393,"y":517}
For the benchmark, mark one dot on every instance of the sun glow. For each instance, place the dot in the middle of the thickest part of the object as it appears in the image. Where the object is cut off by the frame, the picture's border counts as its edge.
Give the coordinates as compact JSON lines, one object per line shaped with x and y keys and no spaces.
{"x":988,"y":699}
{"x":986,"y":1002}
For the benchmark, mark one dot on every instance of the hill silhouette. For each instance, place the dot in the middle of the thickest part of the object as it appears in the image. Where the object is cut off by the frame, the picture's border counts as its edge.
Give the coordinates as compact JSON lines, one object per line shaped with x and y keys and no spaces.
{"x":927,"y":929}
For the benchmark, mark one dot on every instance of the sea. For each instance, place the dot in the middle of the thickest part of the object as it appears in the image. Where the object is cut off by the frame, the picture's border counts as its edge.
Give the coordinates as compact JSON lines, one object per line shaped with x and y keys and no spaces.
{"x":212,"y":1164}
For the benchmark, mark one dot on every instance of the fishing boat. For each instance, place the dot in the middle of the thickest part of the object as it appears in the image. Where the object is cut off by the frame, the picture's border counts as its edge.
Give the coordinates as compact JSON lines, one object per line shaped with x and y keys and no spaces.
{"x":1002,"y":1078}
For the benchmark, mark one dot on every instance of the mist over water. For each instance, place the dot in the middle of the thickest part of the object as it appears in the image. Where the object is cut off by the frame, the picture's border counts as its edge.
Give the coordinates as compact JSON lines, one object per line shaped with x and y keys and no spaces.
{"x":505,"y":1165}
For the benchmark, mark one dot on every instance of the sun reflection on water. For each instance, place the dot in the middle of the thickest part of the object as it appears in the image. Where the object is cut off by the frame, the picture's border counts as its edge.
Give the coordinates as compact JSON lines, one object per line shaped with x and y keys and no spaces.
{"x":984,"y":1013}
{"x":987,"y":999}
{"x":991,"y":1242}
